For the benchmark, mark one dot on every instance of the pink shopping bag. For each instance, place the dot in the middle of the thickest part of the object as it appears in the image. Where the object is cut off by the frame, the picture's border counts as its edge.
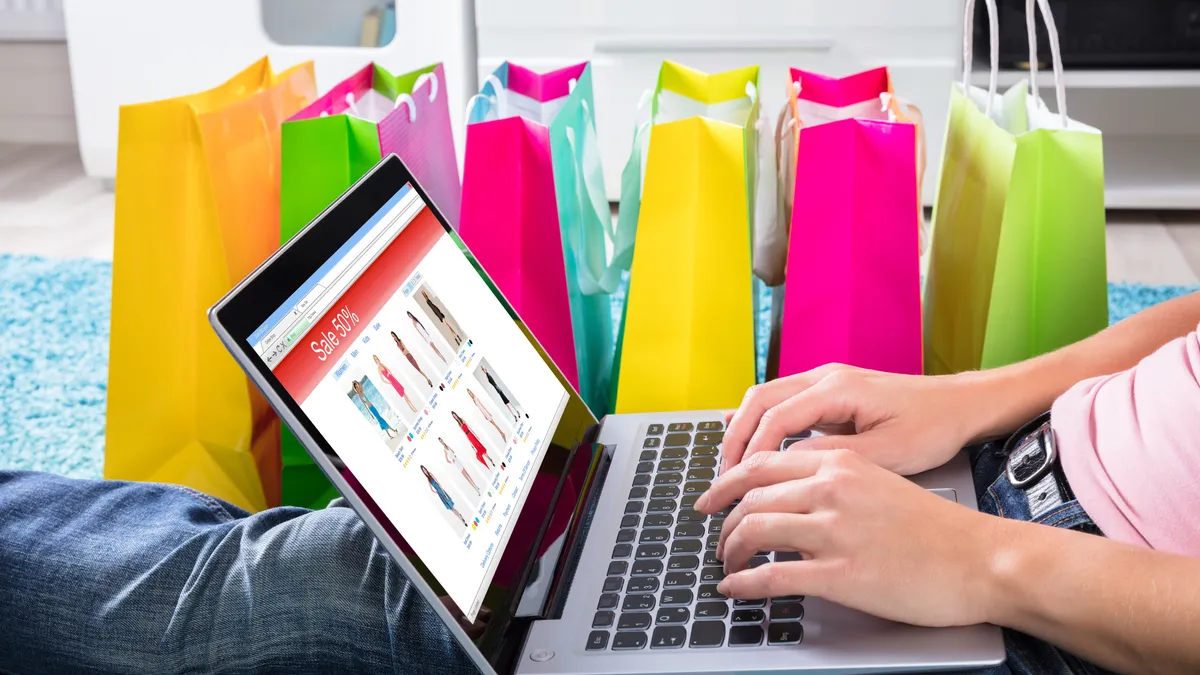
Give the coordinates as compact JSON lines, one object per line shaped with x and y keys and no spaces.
{"x":510,"y":223}
{"x":853,"y":274}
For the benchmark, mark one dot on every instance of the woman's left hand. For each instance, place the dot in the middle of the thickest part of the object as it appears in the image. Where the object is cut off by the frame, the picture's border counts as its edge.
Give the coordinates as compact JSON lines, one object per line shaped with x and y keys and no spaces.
{"x":870,"y":539}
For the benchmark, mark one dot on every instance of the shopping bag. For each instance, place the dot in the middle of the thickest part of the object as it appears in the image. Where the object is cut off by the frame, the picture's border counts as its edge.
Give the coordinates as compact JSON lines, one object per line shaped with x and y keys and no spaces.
{"x":533,"y":195}
{"x":687,"y":339}
{"x":332,"y":143}
{"x":853,"y":292}
{"x":197,"y":209}
{"x":1018,"y":256}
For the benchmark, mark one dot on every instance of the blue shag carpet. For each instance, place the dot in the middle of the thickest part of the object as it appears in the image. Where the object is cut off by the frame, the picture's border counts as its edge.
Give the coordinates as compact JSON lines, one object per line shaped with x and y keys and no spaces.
{"x":54,"y":321}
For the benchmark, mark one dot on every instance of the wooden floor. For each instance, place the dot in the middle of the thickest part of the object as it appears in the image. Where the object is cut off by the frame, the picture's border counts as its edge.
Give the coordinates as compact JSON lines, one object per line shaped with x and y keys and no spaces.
{"x":49,"y":207}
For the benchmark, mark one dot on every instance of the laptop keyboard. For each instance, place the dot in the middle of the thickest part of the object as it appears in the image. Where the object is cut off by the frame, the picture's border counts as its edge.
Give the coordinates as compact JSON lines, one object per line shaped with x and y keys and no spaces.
{"x":660,"y":591}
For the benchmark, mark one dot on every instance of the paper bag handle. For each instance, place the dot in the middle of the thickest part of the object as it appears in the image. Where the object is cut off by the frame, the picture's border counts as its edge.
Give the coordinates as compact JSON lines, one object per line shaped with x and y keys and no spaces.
{"x":969,"y":48}
{"x":1060,"y":87}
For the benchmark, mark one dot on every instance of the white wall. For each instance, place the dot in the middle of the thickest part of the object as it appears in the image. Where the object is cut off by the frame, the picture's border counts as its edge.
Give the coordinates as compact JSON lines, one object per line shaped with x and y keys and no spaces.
{"x":35,"y":93}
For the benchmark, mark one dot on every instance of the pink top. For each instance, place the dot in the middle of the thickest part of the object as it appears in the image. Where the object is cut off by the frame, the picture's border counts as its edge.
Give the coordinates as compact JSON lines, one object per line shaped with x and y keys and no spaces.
{"x":1130,"y":447}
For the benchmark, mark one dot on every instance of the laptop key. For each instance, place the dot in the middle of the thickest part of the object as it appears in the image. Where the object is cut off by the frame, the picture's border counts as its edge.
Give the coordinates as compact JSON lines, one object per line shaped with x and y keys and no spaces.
{"x":642,"y":585}
{"x":597,"y":640}
{"x":634,"y":621}
{"x":658,"y":520}
{"x":653,"y":551}
{"x":654,"y":536}
{"x":641,"y":479}
{"x":709,"y":437}
{"x":759,"y":561}
{"x":647,"y":568}
{"x":787,"y":556}
{"x":696,"y":487}
{"x":712,"y":575}
{"x":699,"y":462}
{"x":625,"y":536}
{"x":677,"y":440}
{"x":745,"y":636}
{"x":688,"y":501}
{"x":710,"y":592}
{"x":613,"y":584}
{"x":679,"y":580}
{"x":707,"y":634}
{"x":630,"y":520}
{"x":668,"y":479}
{"x":645,"y":467}
{"x":651,"y":442}
{"x":749,"y":603}
{"x":668,"y":637}
{"x":788,"y":598}
{"x":682,"y":563}
{"x":662,"y":506}
{"x":637,"y":603}
{"x":603,"y":619}
{"x":747,"y":615}
{"x":671,"y":465}
{"x":710,"y":544}
{"x":701,"y":474}
{"x":675,"y":596}
{"x":715,"y":525}
{"x":712,"y":610}
{"x":608,"y":601}
{"x":648,"y":456}
{"x":665,"y":492}
{"x":710,"y":559}
{"x":654,"y":430}
{"x":633,"y":507}
{"x":787,"y":611}
{"x":704,"y":451}
{"x":630,"y":640}
{"x":785,"y":634}
{"x":710,"y":426}
{"x":673,"y":615}
{"x":674,"y":453}
{"x":622,"y":551}
{"x":689,"y":516}
{"x":680,"y":426}
{"x":685,"y":546}
{"x":617,"y":568}
{"x":689,"y":530}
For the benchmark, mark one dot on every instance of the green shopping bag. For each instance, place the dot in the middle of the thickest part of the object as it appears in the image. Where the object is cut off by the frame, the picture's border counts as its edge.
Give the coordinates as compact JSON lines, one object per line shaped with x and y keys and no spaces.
{"x":1018,"y":262}
{"x":332,"y":143}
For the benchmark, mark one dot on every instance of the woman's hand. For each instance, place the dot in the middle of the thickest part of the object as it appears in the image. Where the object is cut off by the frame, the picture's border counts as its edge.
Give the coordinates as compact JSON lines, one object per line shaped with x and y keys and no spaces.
{"x":906,"y":423}
{"x":871,"y":540}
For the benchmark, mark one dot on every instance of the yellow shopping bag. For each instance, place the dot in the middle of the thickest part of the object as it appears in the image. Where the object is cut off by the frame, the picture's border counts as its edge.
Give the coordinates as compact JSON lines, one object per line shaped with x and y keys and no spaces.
{"x":688,"y":334}
{"x":197,"y":209}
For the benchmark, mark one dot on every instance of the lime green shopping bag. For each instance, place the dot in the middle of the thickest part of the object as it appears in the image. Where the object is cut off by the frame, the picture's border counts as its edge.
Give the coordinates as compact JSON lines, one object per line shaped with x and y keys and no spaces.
{"x":1018,"y":261}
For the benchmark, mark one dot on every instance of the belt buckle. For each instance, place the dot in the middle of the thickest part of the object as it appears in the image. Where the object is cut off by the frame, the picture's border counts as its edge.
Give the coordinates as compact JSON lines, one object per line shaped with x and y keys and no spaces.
{"x":1041,"y":439}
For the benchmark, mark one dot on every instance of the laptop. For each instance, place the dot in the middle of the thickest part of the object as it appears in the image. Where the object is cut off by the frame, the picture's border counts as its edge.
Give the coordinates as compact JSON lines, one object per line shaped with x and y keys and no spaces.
{"x":547,"y":541}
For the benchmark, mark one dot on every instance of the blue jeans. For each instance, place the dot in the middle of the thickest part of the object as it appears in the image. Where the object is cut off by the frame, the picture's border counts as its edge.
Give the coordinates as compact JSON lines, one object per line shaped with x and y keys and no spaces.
{"x":107,"y":576}
{"x":114,"y":577}
{"x":1026,"y":655}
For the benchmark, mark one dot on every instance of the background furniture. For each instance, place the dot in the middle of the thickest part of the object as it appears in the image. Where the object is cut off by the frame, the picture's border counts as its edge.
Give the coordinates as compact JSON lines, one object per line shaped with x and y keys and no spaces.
{"x":124,"y":51}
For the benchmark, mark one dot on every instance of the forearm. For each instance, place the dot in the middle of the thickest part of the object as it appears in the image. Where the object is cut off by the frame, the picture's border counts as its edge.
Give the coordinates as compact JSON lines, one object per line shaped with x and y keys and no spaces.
{"x":1129,"y":609}
{"x":1011,"y":395}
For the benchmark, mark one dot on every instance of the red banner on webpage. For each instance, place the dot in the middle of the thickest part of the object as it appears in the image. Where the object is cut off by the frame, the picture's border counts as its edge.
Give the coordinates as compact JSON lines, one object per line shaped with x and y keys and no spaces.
{"x":331,"y":336}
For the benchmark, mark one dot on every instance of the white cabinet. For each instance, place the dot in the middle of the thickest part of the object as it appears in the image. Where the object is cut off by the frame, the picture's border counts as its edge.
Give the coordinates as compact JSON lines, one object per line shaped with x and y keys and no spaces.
{"x":626,"y":40}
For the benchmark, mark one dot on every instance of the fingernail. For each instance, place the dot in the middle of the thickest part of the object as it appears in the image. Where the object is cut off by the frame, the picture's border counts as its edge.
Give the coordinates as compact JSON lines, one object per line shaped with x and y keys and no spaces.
{"x":723,"y":587}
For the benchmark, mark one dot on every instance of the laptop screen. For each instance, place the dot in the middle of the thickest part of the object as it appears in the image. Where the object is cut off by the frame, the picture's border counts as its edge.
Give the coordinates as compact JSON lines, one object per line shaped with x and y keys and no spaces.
{"x":433,"y":397}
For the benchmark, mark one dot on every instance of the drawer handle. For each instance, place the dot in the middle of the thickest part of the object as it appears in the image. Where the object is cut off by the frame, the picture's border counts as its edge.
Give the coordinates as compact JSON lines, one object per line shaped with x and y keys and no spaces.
{"x":664,"y":43}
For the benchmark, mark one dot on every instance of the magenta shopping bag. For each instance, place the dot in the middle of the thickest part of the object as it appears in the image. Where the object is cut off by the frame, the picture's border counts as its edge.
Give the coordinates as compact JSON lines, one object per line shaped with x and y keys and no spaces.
{"x":853,"y":274}
{"x":510,"y":223}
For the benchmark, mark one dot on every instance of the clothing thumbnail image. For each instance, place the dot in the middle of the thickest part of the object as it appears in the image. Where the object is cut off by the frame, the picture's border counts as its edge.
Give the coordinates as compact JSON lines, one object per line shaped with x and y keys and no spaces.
{"x":403,"y":397}
{"x":495,"y":389}
{"x":434,"y":345}
{"x":442,"y":495}
{"x":474,"y":435}
{"x":377,"y":412}
{"x":439,"y":317}
{"x":415,"y":358}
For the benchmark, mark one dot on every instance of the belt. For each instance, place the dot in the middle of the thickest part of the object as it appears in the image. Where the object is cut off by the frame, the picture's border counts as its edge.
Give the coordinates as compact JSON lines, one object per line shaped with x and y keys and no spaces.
{"x":1033,"y":466}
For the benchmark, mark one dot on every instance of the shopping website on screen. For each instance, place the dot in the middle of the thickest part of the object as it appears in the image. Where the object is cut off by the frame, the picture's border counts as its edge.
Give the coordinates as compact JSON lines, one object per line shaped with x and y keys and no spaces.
{"x":424,"y":386}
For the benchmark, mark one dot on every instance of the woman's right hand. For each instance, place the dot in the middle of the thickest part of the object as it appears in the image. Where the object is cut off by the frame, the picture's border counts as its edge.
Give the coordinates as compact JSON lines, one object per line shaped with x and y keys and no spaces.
{"x":905,"y":423}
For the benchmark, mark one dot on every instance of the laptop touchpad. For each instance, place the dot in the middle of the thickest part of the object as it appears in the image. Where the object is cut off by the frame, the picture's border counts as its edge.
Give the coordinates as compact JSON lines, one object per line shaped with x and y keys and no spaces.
{"x":946,"y":493}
